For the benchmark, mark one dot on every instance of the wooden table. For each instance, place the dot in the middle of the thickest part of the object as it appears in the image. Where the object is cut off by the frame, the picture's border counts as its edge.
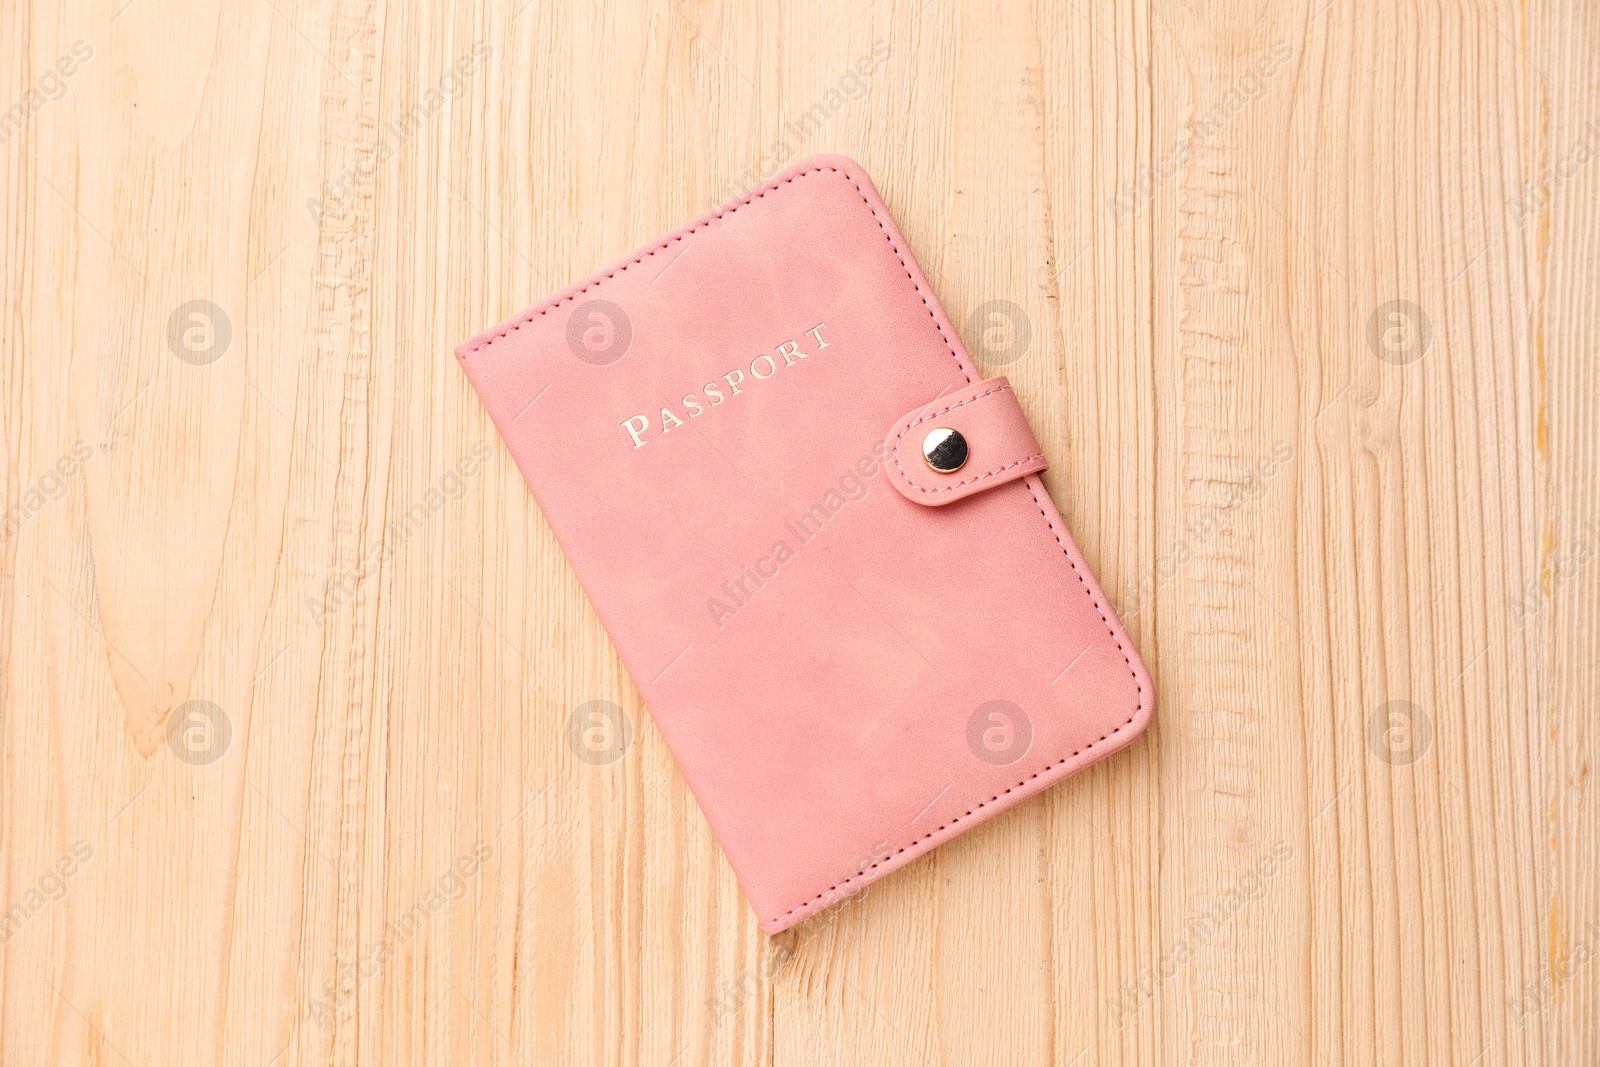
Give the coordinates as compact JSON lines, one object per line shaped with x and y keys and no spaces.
{"x":1301,"y":299}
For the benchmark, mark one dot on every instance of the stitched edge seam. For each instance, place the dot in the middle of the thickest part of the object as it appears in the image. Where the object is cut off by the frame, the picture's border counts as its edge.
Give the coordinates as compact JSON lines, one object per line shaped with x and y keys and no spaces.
{"x":901,"y":436}
{"x":518,"y":322}
{"x":1138,"y":707}
{"x":530,"y":315}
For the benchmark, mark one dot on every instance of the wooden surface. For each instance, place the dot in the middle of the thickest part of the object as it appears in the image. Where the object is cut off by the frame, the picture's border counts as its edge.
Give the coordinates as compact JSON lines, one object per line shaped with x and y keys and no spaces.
{"x":1355,"y":540}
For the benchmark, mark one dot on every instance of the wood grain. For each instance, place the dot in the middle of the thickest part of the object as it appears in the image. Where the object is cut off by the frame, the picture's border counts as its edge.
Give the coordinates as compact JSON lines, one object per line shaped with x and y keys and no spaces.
{"x":1300,"y":298}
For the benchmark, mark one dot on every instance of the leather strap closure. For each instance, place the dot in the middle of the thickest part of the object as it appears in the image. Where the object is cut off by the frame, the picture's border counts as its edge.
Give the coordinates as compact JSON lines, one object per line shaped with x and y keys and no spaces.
{"x":999,"y":446}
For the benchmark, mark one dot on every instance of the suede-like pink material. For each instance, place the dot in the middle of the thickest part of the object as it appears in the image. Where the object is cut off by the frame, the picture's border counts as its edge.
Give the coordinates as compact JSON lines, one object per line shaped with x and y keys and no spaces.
{"x":1000,"y":444}
{"x":846,"y":678}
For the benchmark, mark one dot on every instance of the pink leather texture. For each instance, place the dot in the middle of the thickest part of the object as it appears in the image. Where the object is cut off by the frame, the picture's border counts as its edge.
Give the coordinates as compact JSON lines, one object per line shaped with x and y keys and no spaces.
{"x":1001,"y":445}
{"x":846,"y":676}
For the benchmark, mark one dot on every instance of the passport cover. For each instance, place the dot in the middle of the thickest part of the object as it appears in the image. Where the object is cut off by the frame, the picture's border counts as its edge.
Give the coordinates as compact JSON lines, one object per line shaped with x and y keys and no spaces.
{"x":852,"y":656}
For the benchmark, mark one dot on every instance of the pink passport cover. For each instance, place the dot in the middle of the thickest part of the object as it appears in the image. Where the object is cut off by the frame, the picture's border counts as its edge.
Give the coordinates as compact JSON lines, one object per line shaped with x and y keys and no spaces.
{"x":851,"y":656}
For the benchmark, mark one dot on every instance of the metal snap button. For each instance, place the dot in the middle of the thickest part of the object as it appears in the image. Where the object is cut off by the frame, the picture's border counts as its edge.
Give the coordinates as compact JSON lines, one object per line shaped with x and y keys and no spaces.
{"x":945,"y":450}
